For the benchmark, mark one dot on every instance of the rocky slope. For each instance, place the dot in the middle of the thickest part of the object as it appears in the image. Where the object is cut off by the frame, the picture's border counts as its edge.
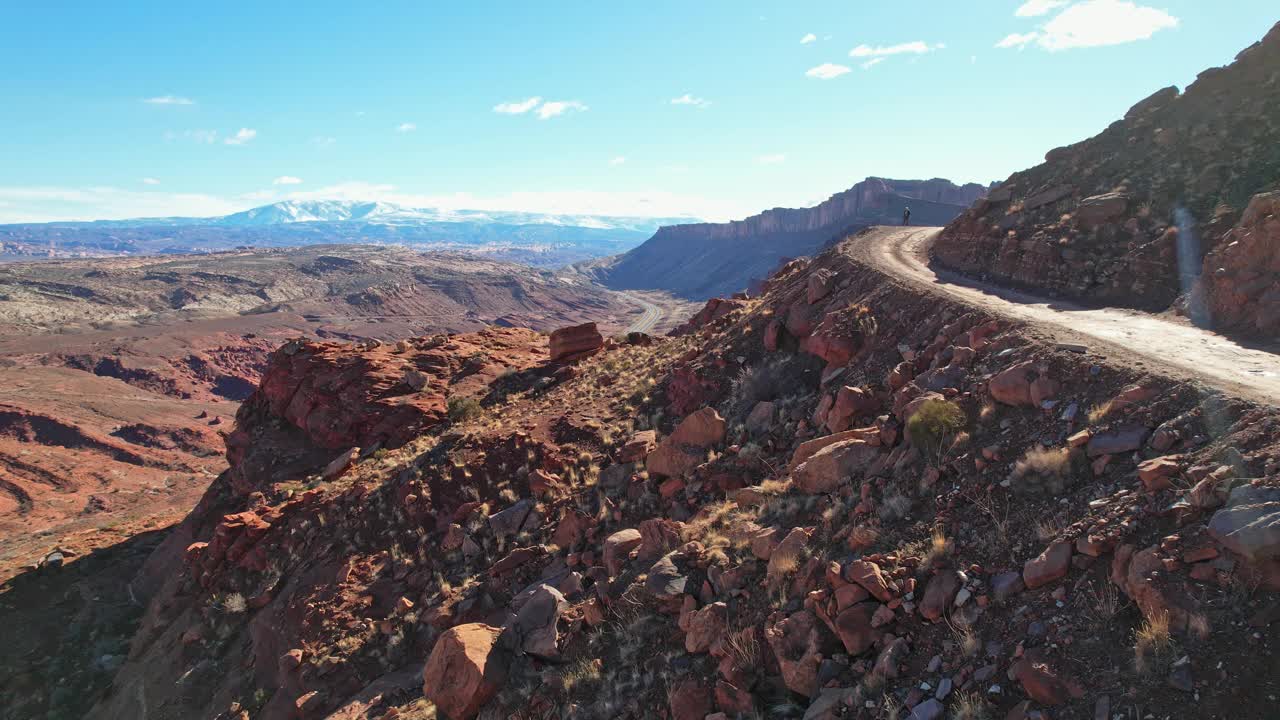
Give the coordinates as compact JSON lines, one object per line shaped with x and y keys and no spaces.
{"x":707,"y":259}
{"x":119,"y":377}
{"x":841,"y":498}
{"x":1161,"y":198}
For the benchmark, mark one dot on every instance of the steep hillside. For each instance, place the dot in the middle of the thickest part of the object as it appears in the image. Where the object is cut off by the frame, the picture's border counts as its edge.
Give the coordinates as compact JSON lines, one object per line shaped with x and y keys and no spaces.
{"x":845,"y":498}
{"x":708,"y":259}
{"x":119,"y":377}
{"x":1134,"y":215}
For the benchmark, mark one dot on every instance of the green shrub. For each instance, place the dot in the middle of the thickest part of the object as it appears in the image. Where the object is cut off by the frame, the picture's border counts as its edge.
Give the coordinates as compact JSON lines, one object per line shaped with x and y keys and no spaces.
{"x":935,"y":425}
{"x":463,"y":408}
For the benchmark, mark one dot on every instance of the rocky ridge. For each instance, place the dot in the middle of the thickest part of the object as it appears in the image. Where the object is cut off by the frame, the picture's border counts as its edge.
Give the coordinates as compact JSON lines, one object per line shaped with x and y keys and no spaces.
{"x":838,"y":499}
{"x":1169,"y":201}
{"x":707,"y":259}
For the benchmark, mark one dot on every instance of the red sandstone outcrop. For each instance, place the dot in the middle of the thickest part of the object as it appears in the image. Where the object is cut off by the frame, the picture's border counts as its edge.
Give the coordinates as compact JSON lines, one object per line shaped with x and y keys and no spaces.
{"x":575,"y":342}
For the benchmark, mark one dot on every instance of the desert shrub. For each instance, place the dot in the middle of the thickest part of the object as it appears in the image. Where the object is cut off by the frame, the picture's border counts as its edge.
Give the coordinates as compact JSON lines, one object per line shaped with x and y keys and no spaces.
{"x":1044,"y":471}
{"x":778,"y":377}
{"x":463,"y":408}
{"x":934,"y":425}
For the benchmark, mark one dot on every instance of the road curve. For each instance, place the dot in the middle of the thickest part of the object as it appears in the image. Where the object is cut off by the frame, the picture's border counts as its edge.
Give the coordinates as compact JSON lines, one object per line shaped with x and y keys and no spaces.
{"x":652,"y":314}
{"x":1140,"y":339}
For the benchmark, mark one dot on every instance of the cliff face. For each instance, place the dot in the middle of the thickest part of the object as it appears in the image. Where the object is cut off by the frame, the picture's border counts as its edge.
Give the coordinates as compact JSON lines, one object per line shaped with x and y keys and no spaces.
{"x":706,"y":259}
{"x":1126,"y":217}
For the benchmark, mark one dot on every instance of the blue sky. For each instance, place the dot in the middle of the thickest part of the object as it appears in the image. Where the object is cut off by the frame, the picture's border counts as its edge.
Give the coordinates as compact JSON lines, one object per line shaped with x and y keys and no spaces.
{"x":716,"y":109}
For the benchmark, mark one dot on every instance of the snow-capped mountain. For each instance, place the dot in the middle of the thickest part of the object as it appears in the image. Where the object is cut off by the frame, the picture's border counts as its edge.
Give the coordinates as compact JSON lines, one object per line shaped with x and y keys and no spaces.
{"x":384,"y":213}
{"x":544,"y":239}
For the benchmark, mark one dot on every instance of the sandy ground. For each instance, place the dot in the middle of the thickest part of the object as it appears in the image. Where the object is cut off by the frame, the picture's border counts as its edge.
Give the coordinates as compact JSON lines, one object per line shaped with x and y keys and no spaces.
{"x":1154,"y":343}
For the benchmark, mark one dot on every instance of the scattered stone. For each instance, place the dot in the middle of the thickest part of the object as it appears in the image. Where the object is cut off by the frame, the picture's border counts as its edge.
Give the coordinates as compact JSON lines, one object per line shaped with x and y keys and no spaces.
{"x":1156,"y":474}
{"x":339,"y":465}
{"x":617,"y":547}
{"x":464,"y":671}
{"x":867,"y":574}
{"x":509,"y":521}
{"x":1050,"y":565}
{"x":1180,"y":676}
{"x":638,"y":447}
{"x":1042,"y":684}
{"x":1006,"y":585}
{"x":939,"y":594}
{"x":1250,"y":523}
{"x":1115,"y":442}
{"x":833,"y":465}
{"x":930,"y":709}
{"x":794,"y":641}
{"x":533,"y":629}
{"x":706,"y":628}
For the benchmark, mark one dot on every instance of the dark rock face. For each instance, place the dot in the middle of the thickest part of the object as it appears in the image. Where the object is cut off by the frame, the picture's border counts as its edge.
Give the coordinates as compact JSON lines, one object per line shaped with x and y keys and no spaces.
{"x":1125,"y":217}
{"x":703,"y":260}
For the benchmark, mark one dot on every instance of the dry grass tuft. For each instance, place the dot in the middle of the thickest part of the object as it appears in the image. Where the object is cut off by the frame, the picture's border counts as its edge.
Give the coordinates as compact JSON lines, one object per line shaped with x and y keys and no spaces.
{"x":1152,"y":643}
{"x":939,"y":547}
{"x":970,"y":706}
{"x":1099,"y":412}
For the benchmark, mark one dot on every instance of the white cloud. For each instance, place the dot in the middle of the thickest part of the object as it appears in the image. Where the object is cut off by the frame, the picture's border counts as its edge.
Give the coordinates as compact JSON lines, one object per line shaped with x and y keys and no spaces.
{"x":617,"y":160}
{"x":771,"y":159}
{"x":518,"y":107}
{"x":406,"y":127}
{"x":1017,"y":40}
{"x":242,"y":136}
{"x":687,"y":99}
{"x":169,"y":100}
{"x":554,"y":108}
{"x":808,"y":39}
{"x":826,"y":71}
{"x":1036,"y":8}
{"x":918,"y":47}
{"x":150,"y":181}
{"x":872,"y":63}
{"x":46,"y":204}
{"x":1094,"y":23}
{"x":287,"y":180}
{"x":323,"y":140}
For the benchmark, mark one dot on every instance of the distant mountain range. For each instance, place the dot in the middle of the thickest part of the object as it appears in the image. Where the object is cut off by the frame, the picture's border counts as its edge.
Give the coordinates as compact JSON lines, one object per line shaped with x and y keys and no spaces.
{"x":542,"y":239}
{"x":702,"y":260}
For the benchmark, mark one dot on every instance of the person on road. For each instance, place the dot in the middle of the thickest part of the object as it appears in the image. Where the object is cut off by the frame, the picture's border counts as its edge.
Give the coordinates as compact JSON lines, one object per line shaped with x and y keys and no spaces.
{"x":906,"y":216}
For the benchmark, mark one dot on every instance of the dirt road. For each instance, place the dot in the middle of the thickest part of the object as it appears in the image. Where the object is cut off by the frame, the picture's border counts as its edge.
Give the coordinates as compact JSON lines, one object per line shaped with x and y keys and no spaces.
{"x":1153,"y":343}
